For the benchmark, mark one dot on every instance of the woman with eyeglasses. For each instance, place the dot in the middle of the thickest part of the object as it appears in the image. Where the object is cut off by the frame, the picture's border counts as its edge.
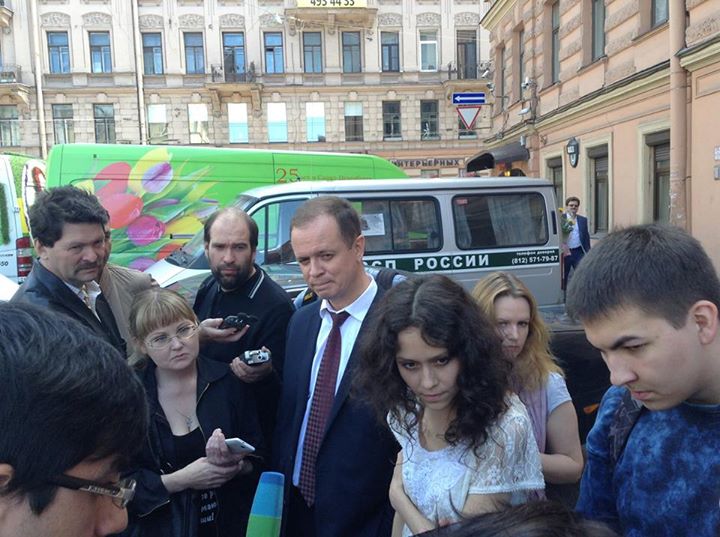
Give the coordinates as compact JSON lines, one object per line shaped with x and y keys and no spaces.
{"x":536,"y":378}
{"x":188,"y":483}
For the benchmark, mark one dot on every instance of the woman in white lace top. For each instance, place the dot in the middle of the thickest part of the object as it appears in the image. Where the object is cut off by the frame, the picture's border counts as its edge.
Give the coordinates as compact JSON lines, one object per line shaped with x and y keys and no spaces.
{"x":433,"y":364}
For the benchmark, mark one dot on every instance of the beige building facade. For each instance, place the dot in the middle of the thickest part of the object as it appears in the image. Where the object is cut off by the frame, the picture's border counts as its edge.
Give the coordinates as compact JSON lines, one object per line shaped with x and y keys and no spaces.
{"x":616,"y":101}
{"x":372,"y":76}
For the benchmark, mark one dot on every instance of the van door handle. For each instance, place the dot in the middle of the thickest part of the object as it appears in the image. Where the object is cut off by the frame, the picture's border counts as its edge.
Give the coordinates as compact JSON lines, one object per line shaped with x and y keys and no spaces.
{"x":181,"y":235}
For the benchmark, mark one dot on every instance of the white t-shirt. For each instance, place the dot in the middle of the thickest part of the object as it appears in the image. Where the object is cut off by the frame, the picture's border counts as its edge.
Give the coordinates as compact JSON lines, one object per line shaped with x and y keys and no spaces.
{"x":439,"y":482}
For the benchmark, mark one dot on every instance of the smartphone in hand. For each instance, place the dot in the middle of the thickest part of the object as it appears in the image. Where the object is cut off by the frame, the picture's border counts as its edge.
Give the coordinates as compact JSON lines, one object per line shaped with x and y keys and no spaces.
{"x":237,"y":446}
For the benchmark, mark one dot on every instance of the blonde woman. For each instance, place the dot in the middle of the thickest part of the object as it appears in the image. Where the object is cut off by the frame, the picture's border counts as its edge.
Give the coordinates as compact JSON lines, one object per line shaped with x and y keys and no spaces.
{"x":535,"y":376}
{"x":188,"y":482}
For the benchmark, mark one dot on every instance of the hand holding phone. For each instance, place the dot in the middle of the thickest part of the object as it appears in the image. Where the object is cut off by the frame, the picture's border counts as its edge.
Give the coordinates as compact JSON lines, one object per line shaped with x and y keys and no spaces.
{"x":238,"y":446}
{"x":238,"y":321}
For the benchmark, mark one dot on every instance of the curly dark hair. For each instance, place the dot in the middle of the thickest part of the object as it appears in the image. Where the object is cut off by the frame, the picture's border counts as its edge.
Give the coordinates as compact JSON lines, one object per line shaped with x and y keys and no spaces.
{"x":447,"y":317}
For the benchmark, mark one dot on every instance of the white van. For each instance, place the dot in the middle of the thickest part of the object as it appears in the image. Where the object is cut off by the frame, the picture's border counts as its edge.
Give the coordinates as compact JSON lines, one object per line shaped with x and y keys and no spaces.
{"x":464,"y":228}
{"x":21,"y":177}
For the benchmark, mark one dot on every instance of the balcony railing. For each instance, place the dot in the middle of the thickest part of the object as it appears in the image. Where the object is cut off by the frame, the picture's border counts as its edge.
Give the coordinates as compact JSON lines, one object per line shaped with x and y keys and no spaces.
{"x":230,"y":76}
{"x":467,"y":71}
{"x":10,"y":74}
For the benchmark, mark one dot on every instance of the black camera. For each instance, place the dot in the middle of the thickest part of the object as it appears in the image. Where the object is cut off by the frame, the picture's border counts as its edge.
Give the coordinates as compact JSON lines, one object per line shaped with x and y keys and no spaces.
{"x":238,"y":321}
{"x":256,"y":357}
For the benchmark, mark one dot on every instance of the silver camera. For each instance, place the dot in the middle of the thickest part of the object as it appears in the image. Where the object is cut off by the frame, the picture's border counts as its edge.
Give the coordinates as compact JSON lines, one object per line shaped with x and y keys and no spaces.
{"x":256,"y":357}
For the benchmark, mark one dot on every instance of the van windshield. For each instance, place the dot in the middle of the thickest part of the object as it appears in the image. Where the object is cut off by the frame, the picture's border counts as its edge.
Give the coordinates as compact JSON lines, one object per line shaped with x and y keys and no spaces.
{"x":191,"y":255}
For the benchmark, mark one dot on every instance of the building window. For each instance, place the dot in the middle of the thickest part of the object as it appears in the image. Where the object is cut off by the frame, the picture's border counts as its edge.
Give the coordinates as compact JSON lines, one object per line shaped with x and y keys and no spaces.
{"x":429,"y":120}
{"x":9,"y":125}
{"x":312,"y":52}
{"x":194,"y":53}
{"x":315,"y":117}
{"x":238,"y":123}
{"x":428,"y":50}
{"x":152,"y":54}
{"x":353,"y":122}
{"x":100,"y":58}
{"x":104,"y":115}
{"x":351,"y":52}
{"x":467,"y":62}
{"x":59,"y":52}
{"x":555,"y":172}
{"x":659,"y":12}
{"x":277,"y":123}
{"x":463,"y":132}
{"x":234,"y":56}
{"x":63,"y":123}
{"x":157,"y":124}
{"x":661,"y":182}
{"x":600,"y":189}
{"x":521,"y":62}
{"x":390,"y":49}
{"x":391,"y":120}
{"x":659,"y":150}
{"x":555,"y":43}
{"x":598,"y":29}
{"x":198,"y":123}
{"x":274,"y":53}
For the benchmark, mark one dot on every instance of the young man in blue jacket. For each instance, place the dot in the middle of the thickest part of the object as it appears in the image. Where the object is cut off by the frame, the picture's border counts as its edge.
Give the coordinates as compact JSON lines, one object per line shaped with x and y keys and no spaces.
{"x":648,"y":297}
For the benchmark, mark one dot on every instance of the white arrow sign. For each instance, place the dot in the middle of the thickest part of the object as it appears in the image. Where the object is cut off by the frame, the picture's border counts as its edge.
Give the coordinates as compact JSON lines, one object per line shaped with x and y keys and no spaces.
{"x":468,"y":114}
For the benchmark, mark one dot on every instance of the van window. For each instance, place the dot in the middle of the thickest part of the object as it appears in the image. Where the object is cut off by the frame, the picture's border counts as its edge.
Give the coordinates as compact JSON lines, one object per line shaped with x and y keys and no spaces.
{"x":500,"y":220}
{"x":273,"y":222}
{"x":405,"y":225}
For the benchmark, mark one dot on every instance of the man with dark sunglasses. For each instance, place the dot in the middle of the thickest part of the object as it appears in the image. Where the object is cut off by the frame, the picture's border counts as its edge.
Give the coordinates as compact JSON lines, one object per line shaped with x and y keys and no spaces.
{"x":71,"y":414}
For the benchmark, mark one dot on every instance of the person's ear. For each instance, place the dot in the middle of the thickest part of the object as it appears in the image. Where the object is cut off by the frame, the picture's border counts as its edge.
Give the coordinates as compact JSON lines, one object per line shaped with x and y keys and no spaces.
{"x":40,"y":248}
{"x":140,"y":345}
{"x":360,"y":245}
{"x":6,"y":474}
{"x":705,"y":316}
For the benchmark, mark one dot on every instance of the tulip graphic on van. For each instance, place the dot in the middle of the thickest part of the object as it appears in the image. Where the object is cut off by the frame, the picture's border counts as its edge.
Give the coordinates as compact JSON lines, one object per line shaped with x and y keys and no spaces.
{"x":147,"y":208}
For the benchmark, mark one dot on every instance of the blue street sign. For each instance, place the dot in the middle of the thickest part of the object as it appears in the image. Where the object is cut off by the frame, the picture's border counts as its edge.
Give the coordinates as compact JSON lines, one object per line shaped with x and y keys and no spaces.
{"x":469,"y":98}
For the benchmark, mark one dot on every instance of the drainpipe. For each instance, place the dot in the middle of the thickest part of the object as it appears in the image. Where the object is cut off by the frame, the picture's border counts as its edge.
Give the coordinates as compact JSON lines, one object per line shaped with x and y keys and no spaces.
{"x":37,"y":67}
{"x":139,"y":80}
{"x":679,"y":185}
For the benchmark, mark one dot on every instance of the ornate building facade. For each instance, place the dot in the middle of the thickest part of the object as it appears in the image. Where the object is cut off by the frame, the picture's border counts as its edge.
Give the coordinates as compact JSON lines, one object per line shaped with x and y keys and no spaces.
{"x":615,"y":101}
{"x":370,"y":76}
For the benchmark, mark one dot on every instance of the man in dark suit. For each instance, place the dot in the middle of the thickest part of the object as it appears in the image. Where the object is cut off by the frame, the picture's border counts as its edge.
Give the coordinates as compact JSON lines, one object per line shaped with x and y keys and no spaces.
{"x":578,"y":239}
{"x":336,"y":456}
{"x":68,"y":228}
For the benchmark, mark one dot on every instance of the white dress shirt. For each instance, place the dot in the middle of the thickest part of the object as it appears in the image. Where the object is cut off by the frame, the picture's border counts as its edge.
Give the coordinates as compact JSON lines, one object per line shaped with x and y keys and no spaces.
{"x":574,"y":237}
{"x":348,"y":332}
{"x":93,"y":290}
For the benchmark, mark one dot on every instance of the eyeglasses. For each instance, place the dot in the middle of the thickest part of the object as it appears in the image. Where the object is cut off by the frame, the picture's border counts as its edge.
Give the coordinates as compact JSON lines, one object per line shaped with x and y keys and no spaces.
{"x":121,"y":492}
{"x":163,"y":341}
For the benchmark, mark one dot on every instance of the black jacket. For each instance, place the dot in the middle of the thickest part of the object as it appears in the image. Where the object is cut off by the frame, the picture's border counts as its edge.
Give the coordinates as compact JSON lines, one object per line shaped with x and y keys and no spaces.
{"x":222,"y":402}
{"x":46,"y":290}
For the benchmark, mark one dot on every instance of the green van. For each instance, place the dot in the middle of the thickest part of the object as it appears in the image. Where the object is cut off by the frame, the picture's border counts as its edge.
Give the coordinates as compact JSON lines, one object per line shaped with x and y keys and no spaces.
{"x":159,"y":196}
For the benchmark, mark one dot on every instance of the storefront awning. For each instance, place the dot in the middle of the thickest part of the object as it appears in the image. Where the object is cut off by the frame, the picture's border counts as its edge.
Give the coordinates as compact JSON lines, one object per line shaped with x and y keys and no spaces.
{"x":505,"y":154}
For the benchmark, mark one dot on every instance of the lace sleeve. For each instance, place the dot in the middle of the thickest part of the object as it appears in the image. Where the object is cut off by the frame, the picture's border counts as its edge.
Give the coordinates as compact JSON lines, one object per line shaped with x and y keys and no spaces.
{"x":509,"y":461}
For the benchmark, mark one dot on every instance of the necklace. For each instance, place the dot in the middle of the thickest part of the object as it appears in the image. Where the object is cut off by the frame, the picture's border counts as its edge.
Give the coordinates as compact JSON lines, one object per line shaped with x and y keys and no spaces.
{"x":189,"y":420}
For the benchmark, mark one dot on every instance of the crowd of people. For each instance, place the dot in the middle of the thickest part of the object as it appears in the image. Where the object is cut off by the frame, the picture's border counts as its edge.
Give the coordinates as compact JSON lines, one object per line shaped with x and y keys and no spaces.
{"x":392,"y":409}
